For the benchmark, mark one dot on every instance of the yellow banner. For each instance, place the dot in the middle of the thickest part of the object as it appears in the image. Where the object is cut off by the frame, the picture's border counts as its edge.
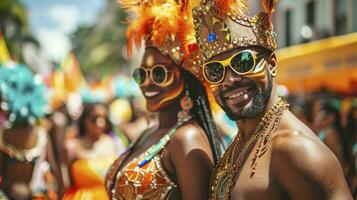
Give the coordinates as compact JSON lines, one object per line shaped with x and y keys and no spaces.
{"x":329,"y":63}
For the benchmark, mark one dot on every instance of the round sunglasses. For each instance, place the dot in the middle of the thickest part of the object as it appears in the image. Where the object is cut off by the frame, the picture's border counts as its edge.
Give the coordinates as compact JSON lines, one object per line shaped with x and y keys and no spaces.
{"x":158,"y":75}
{"x":240,"y":63}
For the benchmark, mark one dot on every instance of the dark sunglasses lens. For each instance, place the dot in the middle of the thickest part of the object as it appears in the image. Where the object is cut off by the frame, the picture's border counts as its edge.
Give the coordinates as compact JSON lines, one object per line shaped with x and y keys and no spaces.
{"x":243,"y":62}
{"x":139,"y":75}
{"x":213,"y":71}
{"x":159,"y":74}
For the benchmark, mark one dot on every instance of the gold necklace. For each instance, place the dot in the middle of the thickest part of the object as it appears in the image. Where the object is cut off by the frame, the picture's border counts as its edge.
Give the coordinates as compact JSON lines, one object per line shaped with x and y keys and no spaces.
{"x":228,"y":168}
{"x":24,"y":155}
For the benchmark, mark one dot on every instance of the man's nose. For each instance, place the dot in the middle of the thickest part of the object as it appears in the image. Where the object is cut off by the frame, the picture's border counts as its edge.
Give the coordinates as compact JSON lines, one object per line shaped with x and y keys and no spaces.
{"x":231,"y":78}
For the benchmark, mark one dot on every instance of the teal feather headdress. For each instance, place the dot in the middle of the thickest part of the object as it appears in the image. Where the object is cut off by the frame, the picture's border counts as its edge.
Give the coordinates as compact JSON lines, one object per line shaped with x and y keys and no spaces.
{"x":22,"y":95}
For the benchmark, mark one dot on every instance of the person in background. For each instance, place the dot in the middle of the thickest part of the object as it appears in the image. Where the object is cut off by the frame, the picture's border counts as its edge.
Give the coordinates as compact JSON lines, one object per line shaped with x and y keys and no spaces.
{"x":56,"y":124}
{"x":327,"y":125}
{"x":90,"y":154}
{"x":24,"y":170}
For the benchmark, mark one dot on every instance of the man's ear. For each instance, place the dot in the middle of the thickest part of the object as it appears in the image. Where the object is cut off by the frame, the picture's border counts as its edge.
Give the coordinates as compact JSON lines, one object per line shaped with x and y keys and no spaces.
{"x":272,"y":64}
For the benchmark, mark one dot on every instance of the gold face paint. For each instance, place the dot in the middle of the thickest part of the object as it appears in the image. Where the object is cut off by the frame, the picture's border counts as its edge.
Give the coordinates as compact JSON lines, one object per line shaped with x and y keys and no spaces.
{"x":167,"y":92}
{"x":166,"y":98}
{"x":149,"y":61}
{"x":259,"y":74}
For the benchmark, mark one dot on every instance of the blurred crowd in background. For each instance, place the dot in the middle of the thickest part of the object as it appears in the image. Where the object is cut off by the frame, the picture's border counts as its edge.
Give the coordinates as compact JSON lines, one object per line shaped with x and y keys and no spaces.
{"x":92,"y":110}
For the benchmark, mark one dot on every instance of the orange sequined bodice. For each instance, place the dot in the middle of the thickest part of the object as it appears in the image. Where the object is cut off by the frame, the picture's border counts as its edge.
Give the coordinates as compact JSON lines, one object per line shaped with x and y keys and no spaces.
{"x":144,"y":176}
{"x":149,"y":182}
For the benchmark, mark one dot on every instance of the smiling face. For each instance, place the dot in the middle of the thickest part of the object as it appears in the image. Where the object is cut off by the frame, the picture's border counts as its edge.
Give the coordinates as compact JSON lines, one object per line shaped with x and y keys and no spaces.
{"x":245,"y":96}
{"x":158,"y":97}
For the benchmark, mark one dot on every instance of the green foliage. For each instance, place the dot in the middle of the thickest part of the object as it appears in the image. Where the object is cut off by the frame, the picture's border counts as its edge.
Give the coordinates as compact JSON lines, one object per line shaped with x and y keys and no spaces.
{"x":14,"y":10}
{"x":99,"y":48}
{"x":15,"y":27}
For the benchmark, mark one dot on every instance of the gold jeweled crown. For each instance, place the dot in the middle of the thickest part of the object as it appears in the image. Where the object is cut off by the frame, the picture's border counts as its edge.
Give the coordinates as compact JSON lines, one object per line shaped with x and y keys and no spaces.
{"x":222,"y":25}
{"x":166,"y":25}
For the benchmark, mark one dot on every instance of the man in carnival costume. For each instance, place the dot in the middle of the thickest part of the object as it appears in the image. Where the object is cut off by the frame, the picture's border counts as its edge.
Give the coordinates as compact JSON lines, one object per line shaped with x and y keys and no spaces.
{"x":24,"y":171}
{"x":274,"y":155}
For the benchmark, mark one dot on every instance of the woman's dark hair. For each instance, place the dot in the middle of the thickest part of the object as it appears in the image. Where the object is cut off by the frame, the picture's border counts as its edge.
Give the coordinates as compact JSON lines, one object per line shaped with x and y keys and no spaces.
{"x":87,"y":109}
{"x":202,"y":111}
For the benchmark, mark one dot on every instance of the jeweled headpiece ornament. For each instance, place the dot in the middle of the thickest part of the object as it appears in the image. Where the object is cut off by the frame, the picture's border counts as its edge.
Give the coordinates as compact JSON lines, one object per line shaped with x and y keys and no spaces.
{"x":166,"y":25}
{"x":222,"y":25}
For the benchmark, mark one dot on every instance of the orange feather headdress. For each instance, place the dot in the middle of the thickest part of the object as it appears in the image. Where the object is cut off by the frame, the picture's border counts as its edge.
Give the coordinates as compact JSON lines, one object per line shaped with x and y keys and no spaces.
{"x":167,"y":25}
{"x":222,"y":25}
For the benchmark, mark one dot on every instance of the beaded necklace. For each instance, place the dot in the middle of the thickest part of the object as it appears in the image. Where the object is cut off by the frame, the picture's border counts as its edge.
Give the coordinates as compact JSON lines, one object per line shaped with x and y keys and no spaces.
{"x":228,"y":168}
{"x":24,"y":155}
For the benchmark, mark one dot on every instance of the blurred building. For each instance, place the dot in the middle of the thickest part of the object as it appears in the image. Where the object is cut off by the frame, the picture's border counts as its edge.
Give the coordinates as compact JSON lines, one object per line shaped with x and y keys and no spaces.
{"x":304,"y":21}
{"x":317,"y":42}
{"x":301,"y":21}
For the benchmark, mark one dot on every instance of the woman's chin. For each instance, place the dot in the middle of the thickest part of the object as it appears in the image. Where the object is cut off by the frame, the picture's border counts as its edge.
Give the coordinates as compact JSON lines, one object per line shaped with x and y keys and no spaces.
{"x":151,"y":107}
{"x":154,"y":107}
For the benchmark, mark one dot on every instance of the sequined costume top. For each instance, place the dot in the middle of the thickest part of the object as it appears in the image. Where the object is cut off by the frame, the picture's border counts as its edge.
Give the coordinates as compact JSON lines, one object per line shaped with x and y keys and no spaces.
{"x":133,"y":182}
{"x":142,"y":177}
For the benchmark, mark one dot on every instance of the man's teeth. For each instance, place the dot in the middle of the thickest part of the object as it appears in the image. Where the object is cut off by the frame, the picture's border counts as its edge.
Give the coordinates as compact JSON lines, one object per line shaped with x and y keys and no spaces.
{"x":151,"y":94}
{"x":244,"y":92}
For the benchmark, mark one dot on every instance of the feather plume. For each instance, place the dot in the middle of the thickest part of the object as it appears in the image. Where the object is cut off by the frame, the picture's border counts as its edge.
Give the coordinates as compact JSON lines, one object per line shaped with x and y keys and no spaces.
{"x":269,"y":6}
{"x":159,"y":20}
{"x":269,"y":9}
{"x":130,"y":5}
{"x":235,"y":7}
{"x":166,"y":21}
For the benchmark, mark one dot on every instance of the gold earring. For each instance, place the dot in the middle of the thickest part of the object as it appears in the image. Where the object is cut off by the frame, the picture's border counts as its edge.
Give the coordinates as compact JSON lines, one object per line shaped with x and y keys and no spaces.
{"x":186,"y":104}
{"x":273,"y":70}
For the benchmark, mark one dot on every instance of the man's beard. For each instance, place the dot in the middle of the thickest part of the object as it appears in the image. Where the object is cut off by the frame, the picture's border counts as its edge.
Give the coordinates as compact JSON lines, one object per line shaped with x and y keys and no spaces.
{"x":256,"y":105}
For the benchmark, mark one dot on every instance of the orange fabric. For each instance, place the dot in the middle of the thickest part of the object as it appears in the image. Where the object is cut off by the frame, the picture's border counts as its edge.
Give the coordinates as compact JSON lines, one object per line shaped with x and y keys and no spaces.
{"x":89,"y":193}
{"x":88,"y":179}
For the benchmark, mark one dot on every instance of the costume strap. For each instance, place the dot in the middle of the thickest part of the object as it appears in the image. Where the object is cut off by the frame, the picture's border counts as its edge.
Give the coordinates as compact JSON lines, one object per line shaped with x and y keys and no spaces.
{"x":156,"y":148}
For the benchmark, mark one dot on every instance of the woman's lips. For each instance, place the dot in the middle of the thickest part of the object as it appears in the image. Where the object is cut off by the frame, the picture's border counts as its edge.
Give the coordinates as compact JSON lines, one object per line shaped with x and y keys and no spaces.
{"x":151,"y":94}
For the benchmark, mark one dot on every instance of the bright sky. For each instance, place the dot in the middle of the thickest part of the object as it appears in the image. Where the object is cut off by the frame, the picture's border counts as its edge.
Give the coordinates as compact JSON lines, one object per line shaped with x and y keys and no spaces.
{"x":51,"y":21}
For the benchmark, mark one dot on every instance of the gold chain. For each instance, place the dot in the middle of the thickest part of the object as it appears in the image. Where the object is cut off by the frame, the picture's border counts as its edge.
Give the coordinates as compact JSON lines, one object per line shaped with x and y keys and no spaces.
{"x":227,"y":170}
{"x":273,"y":113}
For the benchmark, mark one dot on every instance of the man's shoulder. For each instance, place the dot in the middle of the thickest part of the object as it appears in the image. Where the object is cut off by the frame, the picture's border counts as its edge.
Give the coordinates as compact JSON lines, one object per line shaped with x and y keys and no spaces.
{"x":294,"y":143}
{"x":295,"y":147}
{"x":300,"y":159}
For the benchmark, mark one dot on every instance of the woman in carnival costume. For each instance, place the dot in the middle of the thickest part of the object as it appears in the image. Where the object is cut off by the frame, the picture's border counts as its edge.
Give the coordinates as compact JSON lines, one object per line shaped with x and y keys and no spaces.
{"x":91,"y":152}
{"x":24,"y":170}
{"x":175,"y":159}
